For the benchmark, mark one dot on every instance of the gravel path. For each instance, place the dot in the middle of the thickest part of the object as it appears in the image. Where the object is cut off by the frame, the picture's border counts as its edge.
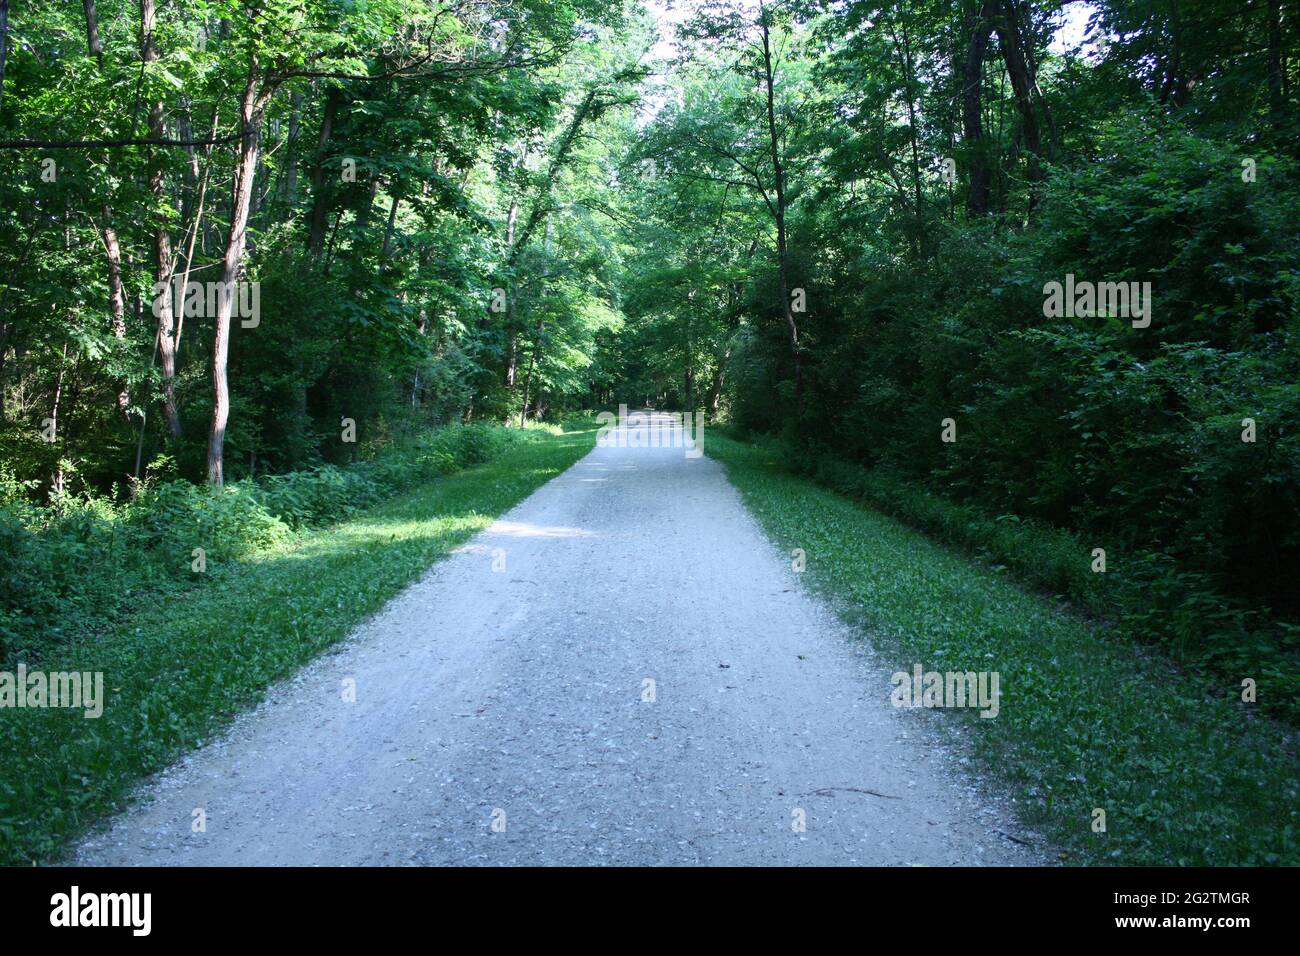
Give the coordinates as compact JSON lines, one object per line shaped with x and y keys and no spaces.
{"x":501,"y":716}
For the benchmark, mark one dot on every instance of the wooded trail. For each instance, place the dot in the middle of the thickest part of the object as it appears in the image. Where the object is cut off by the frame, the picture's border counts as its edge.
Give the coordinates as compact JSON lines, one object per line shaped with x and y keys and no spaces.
{"x":620,"y":670}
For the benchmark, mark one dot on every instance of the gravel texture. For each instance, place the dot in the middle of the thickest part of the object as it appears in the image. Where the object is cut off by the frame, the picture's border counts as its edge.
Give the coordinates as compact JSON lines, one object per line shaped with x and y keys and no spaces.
{"x":501,"y":713}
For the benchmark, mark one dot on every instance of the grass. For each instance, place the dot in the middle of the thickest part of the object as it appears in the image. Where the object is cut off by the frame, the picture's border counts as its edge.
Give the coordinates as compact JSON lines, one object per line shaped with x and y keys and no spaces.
{"x":1186,"y":775}
{"x":176,"y":672}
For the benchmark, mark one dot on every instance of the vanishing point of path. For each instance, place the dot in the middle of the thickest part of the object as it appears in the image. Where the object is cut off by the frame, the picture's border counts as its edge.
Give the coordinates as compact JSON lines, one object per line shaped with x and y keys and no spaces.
{"x":507,"y":717}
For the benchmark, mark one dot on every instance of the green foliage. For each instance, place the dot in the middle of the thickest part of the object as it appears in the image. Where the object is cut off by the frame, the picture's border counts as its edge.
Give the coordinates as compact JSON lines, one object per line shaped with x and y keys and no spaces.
{"x":396,"y":137}
{"x":1091,"y":430}
{"x":143,"y":550}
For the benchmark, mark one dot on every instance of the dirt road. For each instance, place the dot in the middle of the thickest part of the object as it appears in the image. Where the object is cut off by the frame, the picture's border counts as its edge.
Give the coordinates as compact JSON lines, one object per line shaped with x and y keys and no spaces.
{"x":621,"y":670}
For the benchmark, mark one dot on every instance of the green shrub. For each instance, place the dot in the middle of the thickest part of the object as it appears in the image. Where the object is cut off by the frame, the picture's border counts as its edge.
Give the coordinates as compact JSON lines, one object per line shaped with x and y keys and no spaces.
{"x":68,"y":569}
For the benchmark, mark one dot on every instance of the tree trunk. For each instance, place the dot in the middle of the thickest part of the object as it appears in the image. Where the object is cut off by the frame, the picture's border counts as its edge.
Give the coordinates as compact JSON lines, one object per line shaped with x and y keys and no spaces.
{"x":778,"y":175}
{"x":392,"y":224}
{"x":512,"y":359}
{"x":112,"y":248}
{"x":164,"y":260}
{"x":92,"y":31}
{"x":1174,"y":88}
{"x":528,"y":379}
{"x":732,"y":324}
{"x":252,"y":109}
{"x":291,"y":170}
{"x":903,"y":47}
{"x":979,"y":174}
{"x":1275,"y":98}
{"x":511,"y":332}
{"x":56,"y":478}
{"x":185,"y":128}
{"x":116,"y":300}
{"x":319,"y":217}
{"x":5,"y":329}
{"x":4,"y":44}
{"x":715,"y":387}
{"x":1022,"y":86}
{"x":421,"y":326}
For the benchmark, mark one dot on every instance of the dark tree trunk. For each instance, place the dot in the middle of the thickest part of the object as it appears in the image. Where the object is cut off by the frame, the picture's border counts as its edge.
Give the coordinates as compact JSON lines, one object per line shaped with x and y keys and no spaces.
{"x":778,"y":175}
{"x":92,"y":31}
{"x":715,"y":386}
{"x":1174,"y":88}
{"x":1011,"y":44}
{"x":291,"y":170}
{"x":512,"y":333}
{"x":1275,"y":97}
{"x":979,"y":174}
{"x":903,"y":47}
{"x":4,"y":44}
{"x":56,"y":478}
{"x":528,"y":379}
{"x":319,"y":217}
{"x":116,"y":300}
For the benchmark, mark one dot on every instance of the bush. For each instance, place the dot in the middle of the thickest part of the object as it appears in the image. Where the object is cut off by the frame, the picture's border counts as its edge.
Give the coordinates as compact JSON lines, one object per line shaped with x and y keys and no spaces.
{"x":71,"y":568}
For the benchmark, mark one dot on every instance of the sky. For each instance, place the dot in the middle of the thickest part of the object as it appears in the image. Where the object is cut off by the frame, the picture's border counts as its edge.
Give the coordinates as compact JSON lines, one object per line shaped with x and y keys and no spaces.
{"x":669,"y":13}
{"x":1074,"y":25}
{"x":1073,"y":20}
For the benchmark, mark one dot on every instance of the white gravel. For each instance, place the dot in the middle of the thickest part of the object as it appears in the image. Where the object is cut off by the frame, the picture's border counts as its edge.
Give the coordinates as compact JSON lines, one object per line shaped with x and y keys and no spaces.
{"x":516,"y":696}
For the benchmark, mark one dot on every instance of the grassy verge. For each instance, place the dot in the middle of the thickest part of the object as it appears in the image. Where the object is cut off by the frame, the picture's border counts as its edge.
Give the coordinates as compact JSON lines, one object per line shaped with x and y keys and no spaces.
{"x":1087,"y":721}
{"x":178,"y":670}
{"x":1146,"y":594}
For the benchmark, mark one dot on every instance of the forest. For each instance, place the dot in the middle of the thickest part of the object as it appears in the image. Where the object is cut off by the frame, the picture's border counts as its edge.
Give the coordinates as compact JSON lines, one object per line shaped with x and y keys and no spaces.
{"x":1023,"y":273}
